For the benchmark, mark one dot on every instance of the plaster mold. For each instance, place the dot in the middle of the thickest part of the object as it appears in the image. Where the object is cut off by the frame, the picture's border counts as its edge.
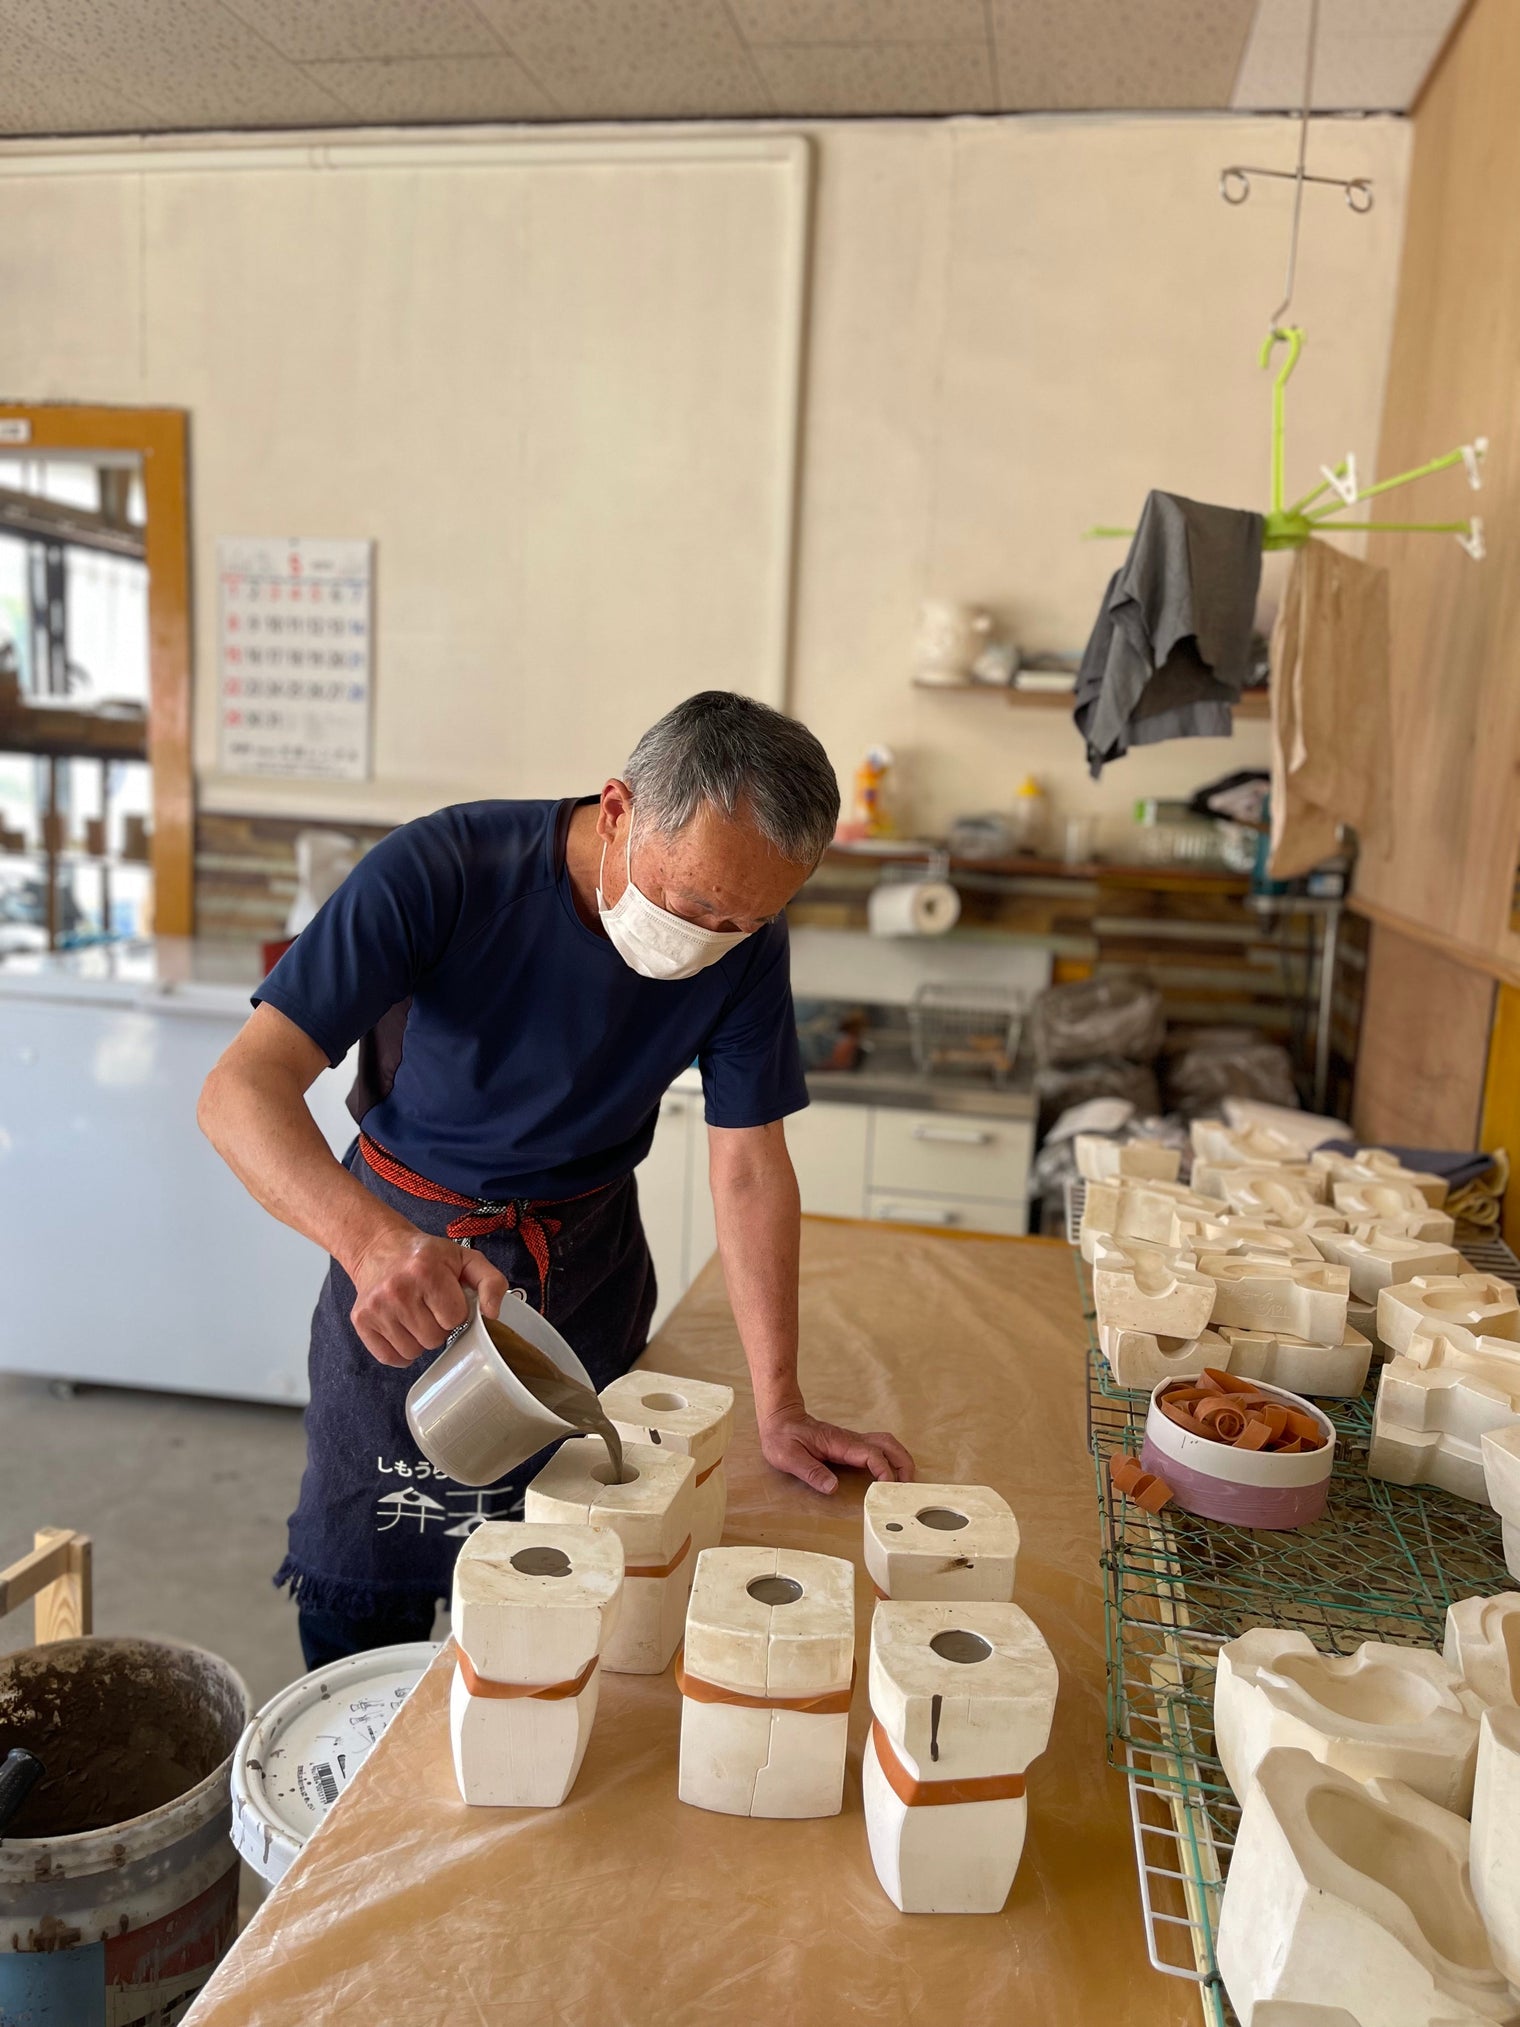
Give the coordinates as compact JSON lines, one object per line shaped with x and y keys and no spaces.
{"x":1378,"y":1259}
{"x":1281,"y":1194}
{"x":962,"y":1698}
{"x":1376,"y":1164}
{"x":1423,"y":1223}
{"x":652,"y":1516}
{"x":1500,"y":1451}
{"x":1483,"y":1646}
{"x":532,"y":1608}
{"x":1354,"y":1896}
{"x":692,"y":1417}
{"x":940,"y":1541}
{"x":765,"y":1679}
{"x":1134,"y":1210}
{"x":1138,"y":1358}
{"x":1382,"y":1713}
{"x":1100,"y":1159}
{"x":1388,"y":1197}
{"x":1150,"y":1288}
{"x":1231,"y":1233}
{"x":1433,"y":1408}
{"x":1494,"y":1862}
{"x":1242,"y":1147}
{"x":1283,"y":1360}
{"x":1459,"y":1307}
{"x":1307,"y":1302}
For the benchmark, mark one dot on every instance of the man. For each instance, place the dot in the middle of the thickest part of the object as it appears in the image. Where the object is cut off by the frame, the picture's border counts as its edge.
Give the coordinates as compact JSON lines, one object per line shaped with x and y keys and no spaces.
{"x":530,"y":976}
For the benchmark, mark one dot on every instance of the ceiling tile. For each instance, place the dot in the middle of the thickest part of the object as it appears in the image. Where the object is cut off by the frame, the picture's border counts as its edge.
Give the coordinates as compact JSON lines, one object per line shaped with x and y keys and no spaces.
{"x":1095,"y":54}
{"x":365,"y":29}
{"x":817,"y":80}
{"x":42,"y":92}
{"x":436,"y":88}
{"x":1372,"y":54}
{"x":631,"y":59}
{"x":190,"y":62}
{"x":860,"y":20}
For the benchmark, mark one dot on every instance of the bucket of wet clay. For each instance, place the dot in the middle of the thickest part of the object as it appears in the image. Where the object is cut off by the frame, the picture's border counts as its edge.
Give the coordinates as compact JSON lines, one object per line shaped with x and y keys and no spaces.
{"x":118,"y":1878}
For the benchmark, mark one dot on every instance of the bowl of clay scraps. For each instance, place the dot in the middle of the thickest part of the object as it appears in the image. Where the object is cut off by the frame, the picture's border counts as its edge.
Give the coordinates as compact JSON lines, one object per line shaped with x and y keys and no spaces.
{"x":1231,"y":1449}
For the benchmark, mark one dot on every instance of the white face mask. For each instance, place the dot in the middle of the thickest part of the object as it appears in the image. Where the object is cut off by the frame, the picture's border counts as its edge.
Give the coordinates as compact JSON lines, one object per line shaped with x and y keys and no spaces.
{"x":651,"y":940}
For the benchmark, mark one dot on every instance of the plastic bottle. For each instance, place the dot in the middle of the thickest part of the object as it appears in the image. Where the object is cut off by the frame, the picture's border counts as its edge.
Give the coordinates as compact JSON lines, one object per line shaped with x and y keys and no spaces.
{"x":1031,"y":817}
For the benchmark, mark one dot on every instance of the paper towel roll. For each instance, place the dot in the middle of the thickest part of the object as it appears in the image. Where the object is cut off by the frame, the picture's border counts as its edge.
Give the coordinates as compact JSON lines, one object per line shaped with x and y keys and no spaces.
{"x":913,"y":908}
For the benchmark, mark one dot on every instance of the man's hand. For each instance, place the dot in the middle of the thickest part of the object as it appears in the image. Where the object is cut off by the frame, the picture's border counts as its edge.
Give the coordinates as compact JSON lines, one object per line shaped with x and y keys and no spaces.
{"x":791,"y":1440}
{"x":410,"y":1292}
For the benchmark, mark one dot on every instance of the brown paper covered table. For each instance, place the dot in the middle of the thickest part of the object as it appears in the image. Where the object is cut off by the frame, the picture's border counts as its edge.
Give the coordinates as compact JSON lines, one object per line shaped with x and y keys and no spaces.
{"x":625,"y":1906}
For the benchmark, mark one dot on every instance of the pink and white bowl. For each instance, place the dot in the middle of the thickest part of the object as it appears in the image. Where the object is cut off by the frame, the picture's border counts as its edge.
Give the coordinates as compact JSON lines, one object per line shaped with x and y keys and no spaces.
{"x":1248,"y":1488}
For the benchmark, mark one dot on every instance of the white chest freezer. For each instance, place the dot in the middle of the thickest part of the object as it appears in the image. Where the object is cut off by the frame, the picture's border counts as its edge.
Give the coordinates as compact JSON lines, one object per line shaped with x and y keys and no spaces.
{"x":130,"y":1255}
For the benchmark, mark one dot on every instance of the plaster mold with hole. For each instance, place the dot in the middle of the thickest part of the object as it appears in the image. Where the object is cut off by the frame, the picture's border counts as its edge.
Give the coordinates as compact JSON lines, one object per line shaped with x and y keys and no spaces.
{"x":1354,"y":1895}
{"x":1100,"y":1159}
{"x":765,"y":1677}
{"x":1280,"y":1359}
{"x":1139,"y":1358}
{"x":940,"y":1541}
{"x":1145,"y":1211}
{"x":1459,"y":1307}
{"x":532,"y":1609}
{"x":651,"y":1515}
{"x":1500,"y":1452}
{"x":1232,"y":1233}
{"x":1376,"y":1259}
{"x":1394,"y":1200}
{"x":693,"y":1417}
{"x":1150,"y":1288}
{"x":1435,"y":1227}
{"x":1434,"y":1405}
{"x":962,"y":1698}
{"x":1494,"y":1862}
{"x":1222,"y":1146}
{"x":1307,"y":1302}
{"x":1382,"y":1713}
{"x":1376,"y":1164}
{"x":1286,"y":1194}
{"x":1483,"y":1646}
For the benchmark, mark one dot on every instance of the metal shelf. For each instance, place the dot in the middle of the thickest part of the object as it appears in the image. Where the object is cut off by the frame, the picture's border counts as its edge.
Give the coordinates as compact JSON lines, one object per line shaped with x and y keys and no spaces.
{"x":1383,"y":1564}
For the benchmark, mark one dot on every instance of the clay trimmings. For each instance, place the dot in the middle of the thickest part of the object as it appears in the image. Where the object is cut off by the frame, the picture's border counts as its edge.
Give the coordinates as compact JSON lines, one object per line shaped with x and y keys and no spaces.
{"x":1224,"y":1409}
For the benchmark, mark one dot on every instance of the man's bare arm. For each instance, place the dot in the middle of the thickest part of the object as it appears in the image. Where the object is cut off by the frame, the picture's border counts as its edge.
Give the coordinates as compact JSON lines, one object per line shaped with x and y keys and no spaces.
{"x":409,"y":1287}
{"x":759,"y":1221}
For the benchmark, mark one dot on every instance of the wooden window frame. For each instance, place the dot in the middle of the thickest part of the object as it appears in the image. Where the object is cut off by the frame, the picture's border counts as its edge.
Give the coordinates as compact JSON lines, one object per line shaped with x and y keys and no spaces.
{"x":160,"y":437}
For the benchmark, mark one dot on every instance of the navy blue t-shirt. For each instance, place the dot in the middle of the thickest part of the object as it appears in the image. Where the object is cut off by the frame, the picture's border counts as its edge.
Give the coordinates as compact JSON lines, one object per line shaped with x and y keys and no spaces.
{"x":533,"y":1058}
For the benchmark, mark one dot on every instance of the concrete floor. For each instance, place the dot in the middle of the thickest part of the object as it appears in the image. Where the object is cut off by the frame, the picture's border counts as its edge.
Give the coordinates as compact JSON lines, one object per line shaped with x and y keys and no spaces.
{"x":186,"y":1501}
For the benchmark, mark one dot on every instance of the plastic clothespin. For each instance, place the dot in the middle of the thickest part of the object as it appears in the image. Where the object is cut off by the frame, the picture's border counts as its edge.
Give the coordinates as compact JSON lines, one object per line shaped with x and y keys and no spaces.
{"x":1473,"y":455}
{"x":1472,"y":541}
{"x":1346,"y":486}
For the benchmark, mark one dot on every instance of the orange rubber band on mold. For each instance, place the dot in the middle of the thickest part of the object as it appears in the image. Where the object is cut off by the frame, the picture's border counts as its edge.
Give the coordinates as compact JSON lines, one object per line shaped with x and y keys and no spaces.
{"x":546,"y":1692}
{"x":831,"y":1703}
{"x":918,"y":1794}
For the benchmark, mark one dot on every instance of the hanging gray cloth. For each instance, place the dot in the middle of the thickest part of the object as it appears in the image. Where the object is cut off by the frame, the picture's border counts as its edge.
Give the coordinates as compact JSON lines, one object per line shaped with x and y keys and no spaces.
{"x":1171,"y":651}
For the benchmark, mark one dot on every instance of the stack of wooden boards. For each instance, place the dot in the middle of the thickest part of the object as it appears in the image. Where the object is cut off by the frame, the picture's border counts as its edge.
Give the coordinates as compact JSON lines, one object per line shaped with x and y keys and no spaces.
{"x":1375,"y":1877}
{"x":1293,"y":1271}
{"x":601,"y":1575}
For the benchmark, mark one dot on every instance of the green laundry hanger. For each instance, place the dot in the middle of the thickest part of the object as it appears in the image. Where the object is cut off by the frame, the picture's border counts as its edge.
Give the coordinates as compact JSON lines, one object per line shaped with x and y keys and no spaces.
{"x":1290,"y":526}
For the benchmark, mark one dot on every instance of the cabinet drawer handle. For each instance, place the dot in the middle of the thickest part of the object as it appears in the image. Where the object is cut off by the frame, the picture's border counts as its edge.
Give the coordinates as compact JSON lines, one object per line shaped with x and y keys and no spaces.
{"x":915,"y":1214}
{"x":958,"y":1136}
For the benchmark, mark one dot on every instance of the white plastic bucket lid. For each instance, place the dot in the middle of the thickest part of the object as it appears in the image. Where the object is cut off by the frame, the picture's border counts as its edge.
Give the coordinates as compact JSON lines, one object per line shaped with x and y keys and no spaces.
{"x":304,"y":1747}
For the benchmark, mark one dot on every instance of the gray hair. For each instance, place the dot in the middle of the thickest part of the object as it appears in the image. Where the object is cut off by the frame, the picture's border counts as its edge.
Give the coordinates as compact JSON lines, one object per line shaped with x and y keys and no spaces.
{"x":744,"y":760}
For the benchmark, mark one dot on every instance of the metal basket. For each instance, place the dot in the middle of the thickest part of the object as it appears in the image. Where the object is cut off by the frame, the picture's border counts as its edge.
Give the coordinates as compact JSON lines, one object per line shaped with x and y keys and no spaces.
{"x":971,"y":1029}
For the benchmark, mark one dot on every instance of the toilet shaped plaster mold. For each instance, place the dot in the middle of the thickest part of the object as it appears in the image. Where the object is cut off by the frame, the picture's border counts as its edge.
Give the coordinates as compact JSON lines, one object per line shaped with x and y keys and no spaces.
{"x":1500,"y":1450}
{"x":940,"y":1541}
{"x":651,"y":1515}
{"x":1376,"y":1164}
{"x":1434,"y":1405}
{"x":532,"y":1609}
{"x":1399,"y":1205}
{"x":1354,"y":1895}
{"x":962,"y":1697}
{"x":1139,"y":1358}
{"x":1382,"y":1713}
{"x":1133,"y":1210}
{"x":1234,"y":1233}
{"x":1224,"y":1146}
{"x":1308,"y":1302}
{"x":1152,"y":1288}
{"x":1100,"y":1159}
{"x":692,"y":1417}
{"x":1494,"y":1861}
{"x":1483,"y":1646}
{"x":765,"y":1678}
{"x":1277,"y":1195}
{"x":1282,"y":1360}
{"x":1459,"y":1307}
{"x":1376,"y":1260}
